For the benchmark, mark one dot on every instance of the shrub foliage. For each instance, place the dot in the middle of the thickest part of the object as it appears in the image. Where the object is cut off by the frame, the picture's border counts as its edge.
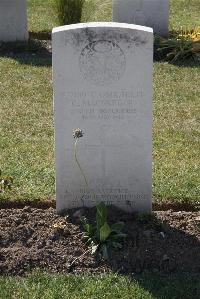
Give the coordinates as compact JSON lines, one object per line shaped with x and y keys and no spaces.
{"x":179,"y":46}
{"x":69,"y":11}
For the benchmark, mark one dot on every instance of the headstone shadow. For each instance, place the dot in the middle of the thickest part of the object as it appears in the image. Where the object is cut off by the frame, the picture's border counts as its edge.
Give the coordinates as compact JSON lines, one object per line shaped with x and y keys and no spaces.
{"x":165,"y":251}
{"x":33,"y":52}
{"x":161,"y":251}
{"x":186,"y":62}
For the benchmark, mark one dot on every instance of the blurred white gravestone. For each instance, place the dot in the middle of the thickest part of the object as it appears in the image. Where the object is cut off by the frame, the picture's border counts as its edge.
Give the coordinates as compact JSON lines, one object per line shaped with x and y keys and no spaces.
{"x":102,"y":76}
{"x":151,"y":13}
{"x":13,"y":20}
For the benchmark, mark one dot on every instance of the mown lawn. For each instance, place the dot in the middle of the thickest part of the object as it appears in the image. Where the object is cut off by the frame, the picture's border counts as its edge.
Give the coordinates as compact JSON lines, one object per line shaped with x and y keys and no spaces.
{"x":176,"y":133}
{"x":112,"y":286}
{"x":27,"y":127}
{"x":27,"y":141}
{"x":42,"y":15}
{"x":27,"y":144}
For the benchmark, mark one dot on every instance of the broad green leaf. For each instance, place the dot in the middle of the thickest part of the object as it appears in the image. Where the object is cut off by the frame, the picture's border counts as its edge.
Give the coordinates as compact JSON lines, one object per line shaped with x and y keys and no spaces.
{"x":89,"y":229}
{"x":116,"y":245}
{"x":117,"y":227}
{"x":105,"y":231}
{"x":118,"y":236}
{"x":101,"y":215}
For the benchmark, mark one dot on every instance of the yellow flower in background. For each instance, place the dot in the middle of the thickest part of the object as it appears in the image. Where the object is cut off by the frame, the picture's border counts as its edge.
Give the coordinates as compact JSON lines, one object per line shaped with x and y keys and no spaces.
{"x":191,"y":34}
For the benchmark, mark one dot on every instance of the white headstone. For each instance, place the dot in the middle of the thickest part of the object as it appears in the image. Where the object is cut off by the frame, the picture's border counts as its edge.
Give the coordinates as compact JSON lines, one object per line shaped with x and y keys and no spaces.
{"x":102,"y":75}
{"x":13,"y":20}
{"x":151,"y":13}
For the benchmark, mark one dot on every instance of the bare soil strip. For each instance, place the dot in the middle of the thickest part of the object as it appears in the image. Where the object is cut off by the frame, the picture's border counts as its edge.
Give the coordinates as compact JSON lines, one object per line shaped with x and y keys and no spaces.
{"x":33,"y":238}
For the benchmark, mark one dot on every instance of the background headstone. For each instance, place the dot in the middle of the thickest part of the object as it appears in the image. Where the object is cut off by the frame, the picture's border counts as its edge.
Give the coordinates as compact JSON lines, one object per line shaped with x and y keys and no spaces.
{"x":151,"y":13}
{"x":13,"y":20}
{"x":102,"y":76}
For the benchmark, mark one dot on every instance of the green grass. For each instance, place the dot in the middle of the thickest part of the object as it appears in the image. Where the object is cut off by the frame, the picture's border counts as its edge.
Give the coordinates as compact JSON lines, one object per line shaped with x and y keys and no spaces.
{"x":42,"y":16}
{"x":97,"y":11}
{"x":176,"y":132}
{"x":184,"y":13}
{"x":146,"y":286}
{"x":27,"y":129}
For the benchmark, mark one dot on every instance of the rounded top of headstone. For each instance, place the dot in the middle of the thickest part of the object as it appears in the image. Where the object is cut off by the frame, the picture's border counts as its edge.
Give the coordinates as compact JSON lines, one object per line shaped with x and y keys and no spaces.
{"x":102,"y":25}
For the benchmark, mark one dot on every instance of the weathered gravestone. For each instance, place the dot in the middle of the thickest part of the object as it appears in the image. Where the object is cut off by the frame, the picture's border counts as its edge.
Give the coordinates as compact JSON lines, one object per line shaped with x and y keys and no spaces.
{"x":151,"y":13}
{"x":13,"y":20}
{"x":102,"y":74}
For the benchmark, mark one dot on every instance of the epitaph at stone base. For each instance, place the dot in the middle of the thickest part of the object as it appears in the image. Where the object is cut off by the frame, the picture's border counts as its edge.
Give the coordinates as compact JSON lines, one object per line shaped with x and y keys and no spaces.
{"x":13,"y":20}
{"x":151,"y":13}
{"x":102,"y":76}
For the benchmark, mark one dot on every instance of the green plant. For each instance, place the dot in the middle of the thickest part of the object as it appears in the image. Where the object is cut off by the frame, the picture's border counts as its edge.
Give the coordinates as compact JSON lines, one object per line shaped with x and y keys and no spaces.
{"x":5,"y":182}
{"x":101,"y":237}
{"x":179,"y":46}
{"x":69,"y":11}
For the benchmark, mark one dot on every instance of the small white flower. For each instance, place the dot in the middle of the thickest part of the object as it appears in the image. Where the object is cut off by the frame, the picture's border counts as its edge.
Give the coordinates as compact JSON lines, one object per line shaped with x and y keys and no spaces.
{"x":77,"y":133}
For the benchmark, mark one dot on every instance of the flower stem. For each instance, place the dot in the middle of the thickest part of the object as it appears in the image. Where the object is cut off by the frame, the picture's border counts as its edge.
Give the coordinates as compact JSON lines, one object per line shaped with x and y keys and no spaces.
{"x":79,"y":165}
{"x":81,"y":169}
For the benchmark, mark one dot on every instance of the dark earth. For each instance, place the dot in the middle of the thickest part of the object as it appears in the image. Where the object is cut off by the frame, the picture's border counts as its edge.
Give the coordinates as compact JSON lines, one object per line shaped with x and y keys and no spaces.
{"x":30,"y":238}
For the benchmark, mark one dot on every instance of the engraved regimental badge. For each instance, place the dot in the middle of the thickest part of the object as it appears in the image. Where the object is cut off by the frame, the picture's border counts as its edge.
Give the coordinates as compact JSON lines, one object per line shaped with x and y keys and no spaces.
{"x":102,"y":62}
